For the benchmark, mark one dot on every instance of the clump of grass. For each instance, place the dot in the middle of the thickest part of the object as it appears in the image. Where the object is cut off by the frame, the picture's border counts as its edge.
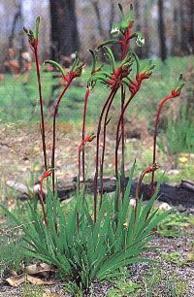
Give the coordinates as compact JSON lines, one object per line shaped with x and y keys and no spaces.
{"x":84,"y":250}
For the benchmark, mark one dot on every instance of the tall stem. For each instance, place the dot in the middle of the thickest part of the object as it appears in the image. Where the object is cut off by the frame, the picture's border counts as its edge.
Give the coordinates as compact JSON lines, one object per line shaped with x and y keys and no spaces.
{"x":79,"y":168}
{"x":54,"y":133}
{"x":117,"y":134}
{"x":97,"y":153}
{"x":84,"y":132}
{"x":104,"y":143}
{"x":139,"y":184}
{"x":41,"y":106}
{"x":157,"y":119}
{"x":122,"y":143}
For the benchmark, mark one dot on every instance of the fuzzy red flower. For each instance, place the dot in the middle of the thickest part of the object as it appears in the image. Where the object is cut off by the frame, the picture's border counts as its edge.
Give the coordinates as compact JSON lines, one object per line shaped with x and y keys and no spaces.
{"x":88,"y":138}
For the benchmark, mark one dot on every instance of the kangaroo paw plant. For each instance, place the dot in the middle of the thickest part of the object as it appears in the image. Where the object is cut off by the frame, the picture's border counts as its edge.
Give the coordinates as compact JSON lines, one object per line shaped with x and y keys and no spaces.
{"x":93,"y":240}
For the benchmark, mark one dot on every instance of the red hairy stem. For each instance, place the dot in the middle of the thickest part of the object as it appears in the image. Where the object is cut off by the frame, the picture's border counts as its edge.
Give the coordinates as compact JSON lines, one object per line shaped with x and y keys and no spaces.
{"x":87,"y":94}
{"x":87,"y":138}
{"x":124,"y":42}
{"x":54,"y":132}
{"x":104,"y":143}
{"x":35,"y":48}
{"x":97,"y":152}
{"x":118,"y":138}
{"x":150,"y":169}
{"x":122,"y":141}
{"x":157,"y":119}
{"x":79,"y":166}
{"x":134,"y":87}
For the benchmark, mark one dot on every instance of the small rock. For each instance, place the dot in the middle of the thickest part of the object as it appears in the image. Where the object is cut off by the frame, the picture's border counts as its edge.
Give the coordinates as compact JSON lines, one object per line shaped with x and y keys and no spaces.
{"x":165,"y":206}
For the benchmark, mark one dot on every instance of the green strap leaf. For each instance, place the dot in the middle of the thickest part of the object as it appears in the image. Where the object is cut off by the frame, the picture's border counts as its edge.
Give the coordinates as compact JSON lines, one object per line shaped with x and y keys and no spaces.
{"x":110,"y":57}
{"x":111,"y":41}
{"x":137,"y":62}
{"x":93,"y":61}
{"x":56,"y":65}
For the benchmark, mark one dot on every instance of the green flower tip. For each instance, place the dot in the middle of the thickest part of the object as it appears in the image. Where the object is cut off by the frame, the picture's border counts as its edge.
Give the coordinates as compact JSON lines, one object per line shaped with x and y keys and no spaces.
{"x":126,"y":21}
{"x":180,"y":84}
{"x":33,"y":36}
{"x":177,"y":91}
{"x":37,"y":27}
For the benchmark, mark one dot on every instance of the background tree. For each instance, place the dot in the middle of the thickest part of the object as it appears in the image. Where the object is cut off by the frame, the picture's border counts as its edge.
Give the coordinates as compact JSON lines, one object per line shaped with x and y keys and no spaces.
{"x":161,"y":30}
{"x":64,"y":32}
{"x":187,"y":26}
{"x":17,"y":26}
{"x":98,"y":7}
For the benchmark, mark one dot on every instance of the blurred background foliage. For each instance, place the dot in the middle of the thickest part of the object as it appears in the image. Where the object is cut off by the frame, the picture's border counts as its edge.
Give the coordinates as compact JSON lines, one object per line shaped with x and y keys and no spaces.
{"x":70,"y":25}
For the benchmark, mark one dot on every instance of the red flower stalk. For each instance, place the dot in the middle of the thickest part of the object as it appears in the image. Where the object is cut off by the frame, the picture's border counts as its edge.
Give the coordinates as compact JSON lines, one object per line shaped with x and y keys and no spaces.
{"x":72,"y":74}
{"x":150,"y":169}
{"x":75,"y":72}
{"x":68,"y":79}
{"x":54,"y":131}
{"x":33,"y":41}
{"x":88,"y":138}
{"x":174,"y":93}
{"x":122,"y":144}
{"x":87,"y":94}
{"x":124,"y":42}
{"x":134,"y":87}
{"x":125,"y":29}
{"x":111,"y":95}
{"x":106,"y":122}
{"x":44,"y":176}
{"x":115,"y":81}
{"x":81,"y":147}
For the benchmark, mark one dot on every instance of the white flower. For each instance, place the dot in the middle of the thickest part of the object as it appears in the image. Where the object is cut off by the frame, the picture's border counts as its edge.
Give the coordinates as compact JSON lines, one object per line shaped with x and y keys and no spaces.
{"x":115,"y":30}
{"x":140,"y":40}
{"x":133,"y":202}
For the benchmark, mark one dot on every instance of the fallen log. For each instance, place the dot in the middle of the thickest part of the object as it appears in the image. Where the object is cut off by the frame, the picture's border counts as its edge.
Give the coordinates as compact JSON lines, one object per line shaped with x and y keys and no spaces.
{"x":182,"y":194}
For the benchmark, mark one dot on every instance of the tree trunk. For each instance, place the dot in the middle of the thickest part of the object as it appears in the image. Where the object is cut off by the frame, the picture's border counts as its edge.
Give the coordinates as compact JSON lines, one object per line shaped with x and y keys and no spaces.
{"x":137,"y":10}
{"x":16,"y":27}
{"x":101,"y":30}
{"x":146,"y":29}
{"x":175,"y":48}
{"x":64,"y":32}
{"x":187,"y":26}
{"x":161,"y":30}
{"x":112,"y":15}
